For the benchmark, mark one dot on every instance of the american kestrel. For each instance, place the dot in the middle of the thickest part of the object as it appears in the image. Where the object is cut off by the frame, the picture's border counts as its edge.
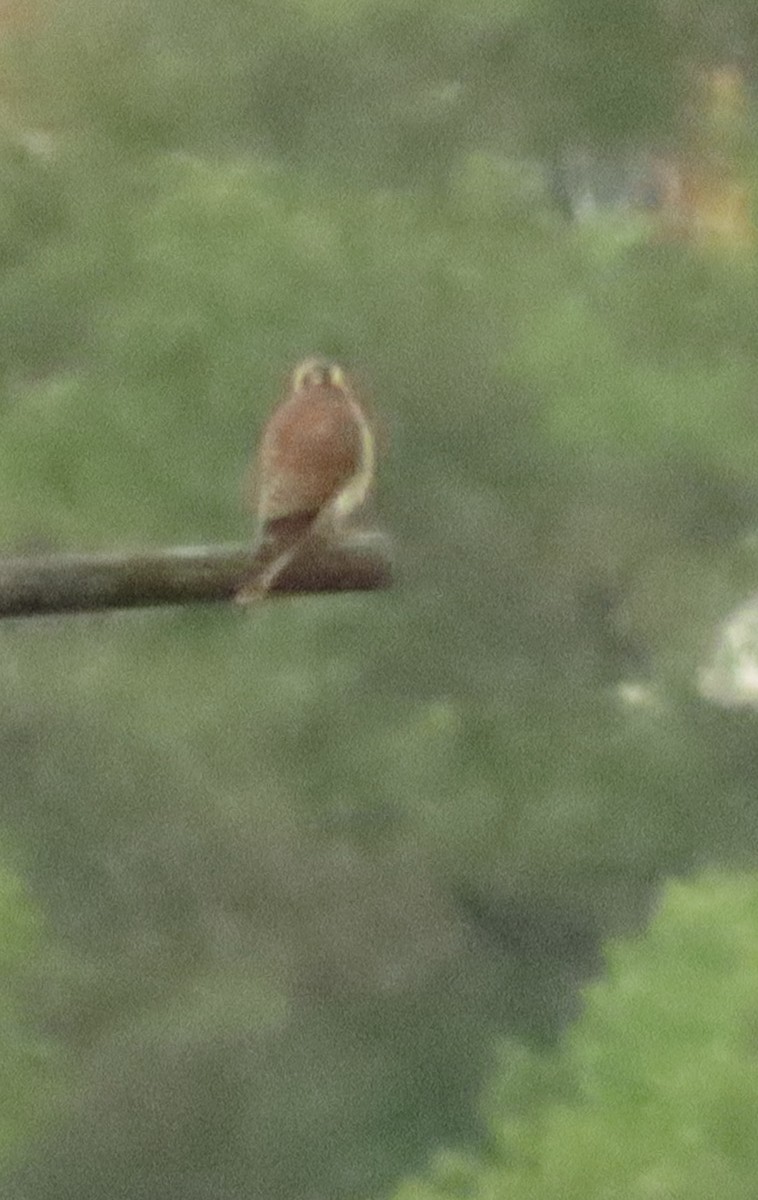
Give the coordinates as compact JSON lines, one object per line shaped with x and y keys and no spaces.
{"x":314,"y":468}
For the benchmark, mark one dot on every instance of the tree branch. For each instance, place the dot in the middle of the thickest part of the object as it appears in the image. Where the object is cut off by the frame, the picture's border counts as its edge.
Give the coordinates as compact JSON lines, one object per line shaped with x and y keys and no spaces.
{"x":182,"y":575}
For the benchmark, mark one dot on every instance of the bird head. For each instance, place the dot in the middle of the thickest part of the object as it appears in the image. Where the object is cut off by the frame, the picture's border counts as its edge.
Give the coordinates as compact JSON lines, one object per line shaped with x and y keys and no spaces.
{"x":319,"y":373}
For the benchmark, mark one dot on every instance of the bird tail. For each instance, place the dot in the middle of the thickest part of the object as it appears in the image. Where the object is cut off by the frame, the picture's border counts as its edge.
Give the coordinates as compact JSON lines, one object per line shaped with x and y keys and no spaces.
{"x":280,"y":541}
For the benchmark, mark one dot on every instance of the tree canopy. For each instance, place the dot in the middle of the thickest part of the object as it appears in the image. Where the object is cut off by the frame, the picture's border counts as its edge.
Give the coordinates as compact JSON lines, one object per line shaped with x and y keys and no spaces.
{"x":282,"y":881}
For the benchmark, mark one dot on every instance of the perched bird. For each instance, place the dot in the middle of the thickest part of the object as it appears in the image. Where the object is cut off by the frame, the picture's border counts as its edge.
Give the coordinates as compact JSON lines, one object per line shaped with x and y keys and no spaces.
{"x":314,"y":468}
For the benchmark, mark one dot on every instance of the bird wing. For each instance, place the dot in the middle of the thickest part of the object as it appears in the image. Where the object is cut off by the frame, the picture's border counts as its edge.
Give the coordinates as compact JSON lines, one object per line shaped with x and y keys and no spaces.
{"x":357,"y":486}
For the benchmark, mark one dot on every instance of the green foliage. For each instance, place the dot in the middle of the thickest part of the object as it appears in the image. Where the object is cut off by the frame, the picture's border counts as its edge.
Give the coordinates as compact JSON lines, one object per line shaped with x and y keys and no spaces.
{"x":653,"y":1092}
{"x":383,"y":90}
{"x":301,"y":866}
{"x":31,"y":1066}
{"x":415,"y":814}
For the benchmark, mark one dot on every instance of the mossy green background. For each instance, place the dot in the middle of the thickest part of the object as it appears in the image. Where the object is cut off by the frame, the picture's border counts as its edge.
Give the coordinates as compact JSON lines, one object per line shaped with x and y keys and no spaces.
{"x":305,"y":884}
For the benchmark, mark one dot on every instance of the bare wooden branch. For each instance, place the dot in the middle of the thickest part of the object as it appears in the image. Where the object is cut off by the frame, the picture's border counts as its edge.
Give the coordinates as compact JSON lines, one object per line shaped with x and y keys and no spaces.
{"x":182,"y":575}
